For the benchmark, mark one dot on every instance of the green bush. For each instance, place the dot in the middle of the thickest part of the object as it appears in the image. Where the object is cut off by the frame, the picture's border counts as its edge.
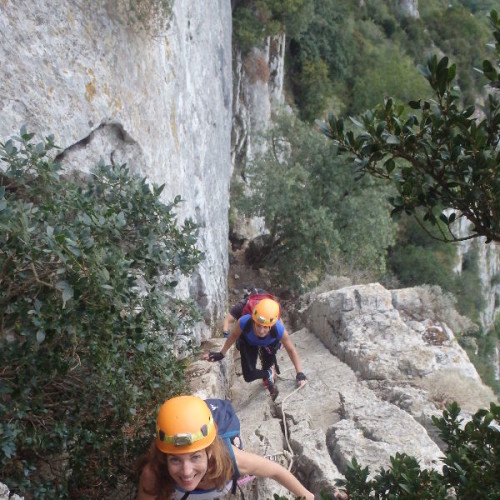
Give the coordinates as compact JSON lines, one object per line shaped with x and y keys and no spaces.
{"x":464,"y":39}
{"x":315,"y":211}
{"x":418,"y":259}
{"x":254,"y":20}
{"x":373,"y":51}
{"x":90,"y":328}
{"x":312,"y":89}
{"x":468,"y":287}
{"x":149,"y":16}
{"x":330,"y":38}
{"x":471,"y":468}
{"x":482,"y":355}
{"x":389,"y":72}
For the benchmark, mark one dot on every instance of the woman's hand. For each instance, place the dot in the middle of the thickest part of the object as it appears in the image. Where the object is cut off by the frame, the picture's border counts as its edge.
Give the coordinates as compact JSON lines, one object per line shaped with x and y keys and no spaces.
{"x":213,"y":356}
{"x":301,"y":379}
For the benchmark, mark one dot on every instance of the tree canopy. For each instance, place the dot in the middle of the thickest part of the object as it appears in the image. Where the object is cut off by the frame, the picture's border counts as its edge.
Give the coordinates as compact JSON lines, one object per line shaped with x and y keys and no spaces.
{"x":317,"y":215}
{"x":440,"y":155}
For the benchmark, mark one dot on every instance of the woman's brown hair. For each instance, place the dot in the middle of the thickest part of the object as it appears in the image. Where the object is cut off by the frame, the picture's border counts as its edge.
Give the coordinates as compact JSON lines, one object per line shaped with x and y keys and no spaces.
{"x":219,"y":472}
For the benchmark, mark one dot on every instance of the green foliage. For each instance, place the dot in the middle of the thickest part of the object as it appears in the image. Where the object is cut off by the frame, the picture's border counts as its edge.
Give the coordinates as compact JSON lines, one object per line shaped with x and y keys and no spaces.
{"x":482,"y":355}
{"x":366,"y":56}
{"x":439,"y":157}
{"x":416,"y":41}
{"x":418,"y":258}
{"x":372,"y":50}
{"x":248,"y":30}
{"x":312,"y":88}
{"x":453,"y":29}
{"x":328,"y":40}
{"x":254,"y":20}
{"x":479,"y":6}
{"x":390,"y":73}
{"x":470,"y":466}
{"x":315,"y":211}
{"x":471,"y":462}
{"x":294,"y":15}
{"x":151,"y":16}
{"x":416,"y":265}
{"x":89,"y":324}
{"x":403,"y":480}
{"x":467,"y":287}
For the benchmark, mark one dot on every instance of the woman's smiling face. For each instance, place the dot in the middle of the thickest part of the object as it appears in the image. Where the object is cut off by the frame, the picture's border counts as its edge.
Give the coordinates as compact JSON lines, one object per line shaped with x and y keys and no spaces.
{"x":188,"y":469}
{"x":260,"y":330}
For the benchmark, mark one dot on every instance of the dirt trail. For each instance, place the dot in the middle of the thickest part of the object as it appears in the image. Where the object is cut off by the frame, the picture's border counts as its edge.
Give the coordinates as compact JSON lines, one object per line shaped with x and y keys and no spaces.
{"x":242,"y":275}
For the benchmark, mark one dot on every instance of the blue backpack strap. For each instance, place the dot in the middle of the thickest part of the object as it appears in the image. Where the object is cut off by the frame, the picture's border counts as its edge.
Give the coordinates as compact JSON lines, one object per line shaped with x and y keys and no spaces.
{"x":273,"y":332}
{"x":228,"y":426}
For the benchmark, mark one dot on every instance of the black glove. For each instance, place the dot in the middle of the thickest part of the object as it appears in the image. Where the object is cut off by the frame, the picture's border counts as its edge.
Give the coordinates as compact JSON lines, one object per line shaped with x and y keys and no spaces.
{"x":215,"y":356}
{"x":300,"y":376}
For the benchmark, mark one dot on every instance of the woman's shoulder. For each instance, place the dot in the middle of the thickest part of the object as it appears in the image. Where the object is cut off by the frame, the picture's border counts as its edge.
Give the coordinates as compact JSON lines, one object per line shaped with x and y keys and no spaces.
{"x":280,"y":328}
{"x":244,"y":320}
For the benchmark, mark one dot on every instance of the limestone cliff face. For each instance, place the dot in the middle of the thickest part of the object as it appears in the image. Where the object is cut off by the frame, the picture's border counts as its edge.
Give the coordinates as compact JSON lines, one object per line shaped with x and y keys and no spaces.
{"x":160,"y":101}
{"x":407,"y":8}
{"x":258,"y":91}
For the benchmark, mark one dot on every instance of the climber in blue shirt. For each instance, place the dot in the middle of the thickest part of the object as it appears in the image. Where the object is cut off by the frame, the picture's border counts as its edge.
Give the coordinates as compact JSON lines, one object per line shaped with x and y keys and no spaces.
{"x":261,"y":334}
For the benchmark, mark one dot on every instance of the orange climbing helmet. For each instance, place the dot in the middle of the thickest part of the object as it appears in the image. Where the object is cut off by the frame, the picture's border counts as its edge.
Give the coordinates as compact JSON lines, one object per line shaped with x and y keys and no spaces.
{"x":184,"y":425}
{"x":266,"y":312}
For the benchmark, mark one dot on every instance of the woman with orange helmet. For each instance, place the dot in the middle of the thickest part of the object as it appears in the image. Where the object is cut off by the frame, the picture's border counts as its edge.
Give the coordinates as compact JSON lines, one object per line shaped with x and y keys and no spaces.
{"x":261,"y":334}
{"x":187,"y":457}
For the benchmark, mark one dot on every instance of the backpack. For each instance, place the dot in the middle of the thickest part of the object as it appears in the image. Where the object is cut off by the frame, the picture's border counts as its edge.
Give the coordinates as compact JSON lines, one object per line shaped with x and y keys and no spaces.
{"x":228,"y":429}
{"x":254,"y":297}
{"x":228,"y":423}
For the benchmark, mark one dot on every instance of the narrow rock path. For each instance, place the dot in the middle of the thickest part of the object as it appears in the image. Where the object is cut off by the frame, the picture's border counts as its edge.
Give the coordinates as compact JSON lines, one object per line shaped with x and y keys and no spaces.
{"x":342,"y":411}
{"x":299,"y":440}
{"x":327,"y":422}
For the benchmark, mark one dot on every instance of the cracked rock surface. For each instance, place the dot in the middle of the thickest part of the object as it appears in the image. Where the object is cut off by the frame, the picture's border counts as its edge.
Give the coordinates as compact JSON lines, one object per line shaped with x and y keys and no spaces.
{"x":367,"y":395}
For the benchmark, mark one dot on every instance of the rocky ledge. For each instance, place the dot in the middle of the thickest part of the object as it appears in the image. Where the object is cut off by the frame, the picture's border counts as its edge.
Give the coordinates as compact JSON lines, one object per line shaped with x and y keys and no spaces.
{"x":379,"y":363}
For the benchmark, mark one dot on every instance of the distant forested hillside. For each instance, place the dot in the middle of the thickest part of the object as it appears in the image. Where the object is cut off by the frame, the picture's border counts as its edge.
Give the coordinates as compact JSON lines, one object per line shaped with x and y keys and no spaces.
{"x":347,"y":55}
{"x":372,"y":51}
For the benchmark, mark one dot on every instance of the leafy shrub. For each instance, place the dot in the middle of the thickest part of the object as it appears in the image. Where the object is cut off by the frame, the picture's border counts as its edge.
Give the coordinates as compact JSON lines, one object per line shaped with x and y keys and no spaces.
{"x":365,"y":51}
{"x":150,"y":16}
{"x":468,"y":287}
{"x":389,"y":72}
{"x":329,"y":39}
{"x":254,"y":20}
{"x":248,"y":30}
{"x":90,"y":329}
{"x":417,"y":258}
{"x":312,"y":88}
{"x":471,"y":468}
{"x":372,"y":51}
{"x":482,"y":355}
{"x":464,"y":39}
{"x":315,"y":211}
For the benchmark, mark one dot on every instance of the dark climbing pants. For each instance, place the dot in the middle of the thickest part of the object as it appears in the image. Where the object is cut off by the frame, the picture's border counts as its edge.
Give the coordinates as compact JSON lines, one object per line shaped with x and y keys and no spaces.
{"x":249,"y":354}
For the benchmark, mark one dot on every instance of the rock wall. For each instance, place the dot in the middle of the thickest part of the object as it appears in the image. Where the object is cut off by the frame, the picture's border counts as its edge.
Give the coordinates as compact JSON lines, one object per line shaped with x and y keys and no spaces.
{"x":407,"y":8}
{"x":258,"y":91}
{"x":160,"y":101}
